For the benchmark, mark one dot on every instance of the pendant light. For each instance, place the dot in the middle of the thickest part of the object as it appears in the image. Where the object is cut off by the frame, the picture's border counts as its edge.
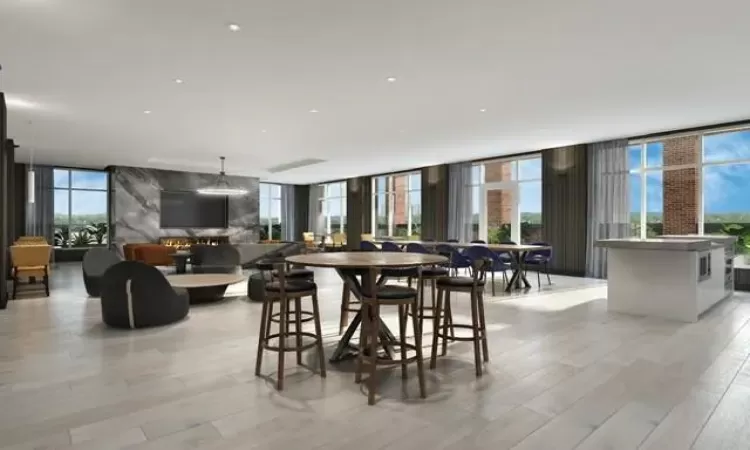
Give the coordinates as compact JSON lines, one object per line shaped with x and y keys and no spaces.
{"x":221,"y":185}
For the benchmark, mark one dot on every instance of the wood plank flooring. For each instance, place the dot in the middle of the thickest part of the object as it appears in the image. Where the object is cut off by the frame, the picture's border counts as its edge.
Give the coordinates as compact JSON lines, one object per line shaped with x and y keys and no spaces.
{"x":564,"y":374}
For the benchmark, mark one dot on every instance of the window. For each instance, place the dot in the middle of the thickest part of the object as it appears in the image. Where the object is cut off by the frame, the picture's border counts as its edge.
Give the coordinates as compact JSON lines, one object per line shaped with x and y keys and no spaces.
{"x":270,"y":211}
{"x":80,"y":207}
{"x":646,"y":164}
{"x":513,"y":208}
{"x":397,"y":205}
{"x":726,"y":184}
{"x":334,"y":207}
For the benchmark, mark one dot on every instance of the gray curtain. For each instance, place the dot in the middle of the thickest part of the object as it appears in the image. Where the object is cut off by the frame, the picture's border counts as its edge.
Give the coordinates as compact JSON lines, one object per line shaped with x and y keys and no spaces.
{"x":288,"y":215}
{"x":315,"y":219}
{"x":459,"y":201}
{"x":608,"y":201}
{"x":40,"y":215}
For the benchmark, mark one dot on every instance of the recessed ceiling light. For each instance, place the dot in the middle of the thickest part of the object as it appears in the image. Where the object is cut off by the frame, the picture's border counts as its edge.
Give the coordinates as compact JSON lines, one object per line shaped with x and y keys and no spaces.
{"x":391,"y":79}
{"x":313,"y":110}
{"x":178,"y":80}
{"x":19,"y":103}
{"x":482,"y":110}
{"x":148,"y":111}
{"x":233,"y":27}
{"x":262,"y":131}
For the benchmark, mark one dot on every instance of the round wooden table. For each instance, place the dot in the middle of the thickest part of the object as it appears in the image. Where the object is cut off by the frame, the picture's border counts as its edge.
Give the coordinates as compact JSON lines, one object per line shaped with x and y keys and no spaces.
{"x":349,"y":266}
{"x":205,"y":287}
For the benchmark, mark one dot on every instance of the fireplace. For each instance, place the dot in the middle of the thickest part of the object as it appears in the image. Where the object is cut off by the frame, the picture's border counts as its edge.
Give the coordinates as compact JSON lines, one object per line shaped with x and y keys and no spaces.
{"x":183,"y":242}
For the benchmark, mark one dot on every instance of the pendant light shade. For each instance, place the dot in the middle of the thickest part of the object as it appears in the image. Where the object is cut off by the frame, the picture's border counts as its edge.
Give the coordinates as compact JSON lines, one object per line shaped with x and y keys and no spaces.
{"x":31,"y":195}
{"x":221,"y":185}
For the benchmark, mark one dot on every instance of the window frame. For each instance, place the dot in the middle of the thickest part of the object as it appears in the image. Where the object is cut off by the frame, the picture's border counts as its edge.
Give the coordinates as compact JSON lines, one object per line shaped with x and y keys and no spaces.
{"x":70,"y":189}
{"x":271,"y":197}
{"x":389,"y":195}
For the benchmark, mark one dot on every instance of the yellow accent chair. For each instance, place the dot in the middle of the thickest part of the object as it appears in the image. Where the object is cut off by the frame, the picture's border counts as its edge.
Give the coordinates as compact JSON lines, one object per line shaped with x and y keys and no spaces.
{"x":30,"y":264}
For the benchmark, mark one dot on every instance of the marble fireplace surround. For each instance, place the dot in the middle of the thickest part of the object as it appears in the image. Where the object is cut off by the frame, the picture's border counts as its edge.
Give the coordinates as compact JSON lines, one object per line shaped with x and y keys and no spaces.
{"x":136,"y":208}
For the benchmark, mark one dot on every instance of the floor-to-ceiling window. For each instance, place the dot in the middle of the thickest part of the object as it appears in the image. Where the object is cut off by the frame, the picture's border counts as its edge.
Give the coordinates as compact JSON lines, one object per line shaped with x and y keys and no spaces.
{"x":726,"y":185}
{"x":507,"y":200}
{"x":80,"y":207}
{"x":397,"y":205}
{"x":333,"y":207}
{"x":646,"y":164}
{"x":270,"y":211}
{"x":694,"y":183}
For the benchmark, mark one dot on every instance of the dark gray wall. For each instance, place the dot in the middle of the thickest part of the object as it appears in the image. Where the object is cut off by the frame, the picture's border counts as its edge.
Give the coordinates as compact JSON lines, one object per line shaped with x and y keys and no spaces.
{"x":358,"y":210}
{"x":136,"y":197}
{"x":435,"y":202}
{"x":20,"y":182}
{"x":4,"y":266}
{"x":564,"y":200}
{"x":301,"y":210}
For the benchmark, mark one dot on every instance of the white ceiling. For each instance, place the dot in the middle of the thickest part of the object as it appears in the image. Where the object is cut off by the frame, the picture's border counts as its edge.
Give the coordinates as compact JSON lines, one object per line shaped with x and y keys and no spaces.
{"x":80,"y":73}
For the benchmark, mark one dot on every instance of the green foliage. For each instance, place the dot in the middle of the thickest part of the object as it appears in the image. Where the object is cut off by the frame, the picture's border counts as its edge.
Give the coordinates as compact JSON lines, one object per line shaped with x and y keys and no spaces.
{"x":98,"y":231}
{"x":62,"y":236}
{"x":81,"y":238}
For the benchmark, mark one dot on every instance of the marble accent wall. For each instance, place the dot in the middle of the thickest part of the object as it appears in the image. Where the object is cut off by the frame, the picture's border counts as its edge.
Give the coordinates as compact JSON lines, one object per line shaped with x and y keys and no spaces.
{"x":136,"y":209}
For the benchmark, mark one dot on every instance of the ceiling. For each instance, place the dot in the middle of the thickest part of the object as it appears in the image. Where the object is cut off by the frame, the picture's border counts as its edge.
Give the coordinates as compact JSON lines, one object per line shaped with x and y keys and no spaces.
{"x":473,"y":79}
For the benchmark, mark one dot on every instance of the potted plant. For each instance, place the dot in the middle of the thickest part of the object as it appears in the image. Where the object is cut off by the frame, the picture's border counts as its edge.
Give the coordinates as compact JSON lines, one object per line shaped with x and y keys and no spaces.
{"x":97,"y":231}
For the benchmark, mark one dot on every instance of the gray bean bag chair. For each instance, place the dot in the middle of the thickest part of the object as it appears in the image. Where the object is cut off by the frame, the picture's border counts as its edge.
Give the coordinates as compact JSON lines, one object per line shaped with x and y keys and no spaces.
{"x":223,"y":258}
{"x":136,"y":295}
{"x":96,"y":261}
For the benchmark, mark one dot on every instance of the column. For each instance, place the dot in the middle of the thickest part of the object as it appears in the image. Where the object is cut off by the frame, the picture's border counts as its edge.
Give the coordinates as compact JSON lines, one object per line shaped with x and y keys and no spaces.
{"x":358,"y":210}
{"x":435,"y":202}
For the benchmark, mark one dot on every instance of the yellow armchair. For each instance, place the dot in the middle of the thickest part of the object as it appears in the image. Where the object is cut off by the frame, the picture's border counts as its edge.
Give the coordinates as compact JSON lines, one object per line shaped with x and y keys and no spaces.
{"x":30,"y":264}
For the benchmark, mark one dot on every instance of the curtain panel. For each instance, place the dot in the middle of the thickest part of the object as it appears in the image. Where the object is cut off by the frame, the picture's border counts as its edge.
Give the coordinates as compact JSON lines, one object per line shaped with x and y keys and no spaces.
{"x":459,"y":201}
{"x":288,"y":214}
{"x":608,"y":201}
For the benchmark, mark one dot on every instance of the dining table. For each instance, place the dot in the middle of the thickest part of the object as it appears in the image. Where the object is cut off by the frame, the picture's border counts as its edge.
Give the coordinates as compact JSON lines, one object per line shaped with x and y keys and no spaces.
{"x":351,"y":266}
{"x":517,"y":252}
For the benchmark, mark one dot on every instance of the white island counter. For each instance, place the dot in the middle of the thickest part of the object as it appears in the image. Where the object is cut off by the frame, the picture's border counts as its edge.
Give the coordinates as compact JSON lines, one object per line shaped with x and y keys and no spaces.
{"x":675,"y":277}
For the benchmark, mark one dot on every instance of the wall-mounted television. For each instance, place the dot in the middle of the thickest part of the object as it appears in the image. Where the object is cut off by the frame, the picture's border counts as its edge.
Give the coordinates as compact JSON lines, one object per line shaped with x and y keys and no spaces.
{"x":186,"y":209}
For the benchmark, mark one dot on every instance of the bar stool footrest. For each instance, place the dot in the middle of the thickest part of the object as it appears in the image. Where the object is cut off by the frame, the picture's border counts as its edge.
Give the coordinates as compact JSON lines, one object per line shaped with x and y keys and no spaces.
{"x":291,"y":347}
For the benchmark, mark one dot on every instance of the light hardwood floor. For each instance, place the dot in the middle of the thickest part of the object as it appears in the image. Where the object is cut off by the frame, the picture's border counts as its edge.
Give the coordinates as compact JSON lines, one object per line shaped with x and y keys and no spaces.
{"x":563,"y":374}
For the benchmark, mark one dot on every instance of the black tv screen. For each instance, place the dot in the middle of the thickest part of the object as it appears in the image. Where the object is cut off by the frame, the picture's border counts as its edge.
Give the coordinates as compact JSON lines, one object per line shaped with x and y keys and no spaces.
{"x":185,"y":209}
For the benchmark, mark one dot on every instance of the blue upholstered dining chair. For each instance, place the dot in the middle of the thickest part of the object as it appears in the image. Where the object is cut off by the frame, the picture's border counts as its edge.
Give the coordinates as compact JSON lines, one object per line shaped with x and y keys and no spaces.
{"x":457,"y":259}
{"x":539,"y":259}
{"x":367,"y":246}
{"x":478,"y":252}
{"x":389,"y":246}
{"x":477,"y":241}
{"x":505,"y":256}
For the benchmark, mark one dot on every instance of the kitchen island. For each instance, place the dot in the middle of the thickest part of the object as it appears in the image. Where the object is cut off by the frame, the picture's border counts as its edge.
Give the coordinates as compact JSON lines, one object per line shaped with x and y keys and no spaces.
{"x":676,"y":277}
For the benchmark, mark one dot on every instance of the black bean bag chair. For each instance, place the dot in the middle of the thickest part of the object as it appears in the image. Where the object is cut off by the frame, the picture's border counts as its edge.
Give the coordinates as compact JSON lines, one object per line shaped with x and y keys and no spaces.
{"x":136,"y":295}
{"x":96,"y":261}
{"x":223,"y":258}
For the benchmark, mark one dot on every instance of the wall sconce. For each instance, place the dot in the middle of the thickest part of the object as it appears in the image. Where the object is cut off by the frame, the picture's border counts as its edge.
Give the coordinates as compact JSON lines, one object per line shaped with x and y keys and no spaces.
{"x":353,"y":184}
{"x":433,"y":175}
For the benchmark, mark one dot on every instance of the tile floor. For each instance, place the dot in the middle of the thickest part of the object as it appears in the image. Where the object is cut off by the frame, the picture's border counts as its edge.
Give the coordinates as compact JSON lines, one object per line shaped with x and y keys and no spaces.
{"x":564,"y":374}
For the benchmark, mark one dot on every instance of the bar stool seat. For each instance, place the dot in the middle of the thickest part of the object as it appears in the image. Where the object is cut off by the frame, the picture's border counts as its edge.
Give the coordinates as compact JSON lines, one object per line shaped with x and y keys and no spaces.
{"x":435,"y":272}
{"x":295,"y":274}
{"x":456,"y":281}
{"x":393,"y":292}
{"x":291,"y":286}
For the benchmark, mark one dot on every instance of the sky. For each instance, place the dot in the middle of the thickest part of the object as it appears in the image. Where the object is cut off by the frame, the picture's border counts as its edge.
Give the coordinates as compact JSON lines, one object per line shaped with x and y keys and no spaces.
{"x":81,"y":201}
{"x":726,"y":187}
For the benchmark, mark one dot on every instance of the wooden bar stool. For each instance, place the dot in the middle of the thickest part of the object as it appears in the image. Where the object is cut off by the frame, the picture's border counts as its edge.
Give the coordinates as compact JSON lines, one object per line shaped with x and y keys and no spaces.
{"x":474,"y":286}
{"x":373,"y":297}
{"x":431,"y":275}
{"x":283,"y":291}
